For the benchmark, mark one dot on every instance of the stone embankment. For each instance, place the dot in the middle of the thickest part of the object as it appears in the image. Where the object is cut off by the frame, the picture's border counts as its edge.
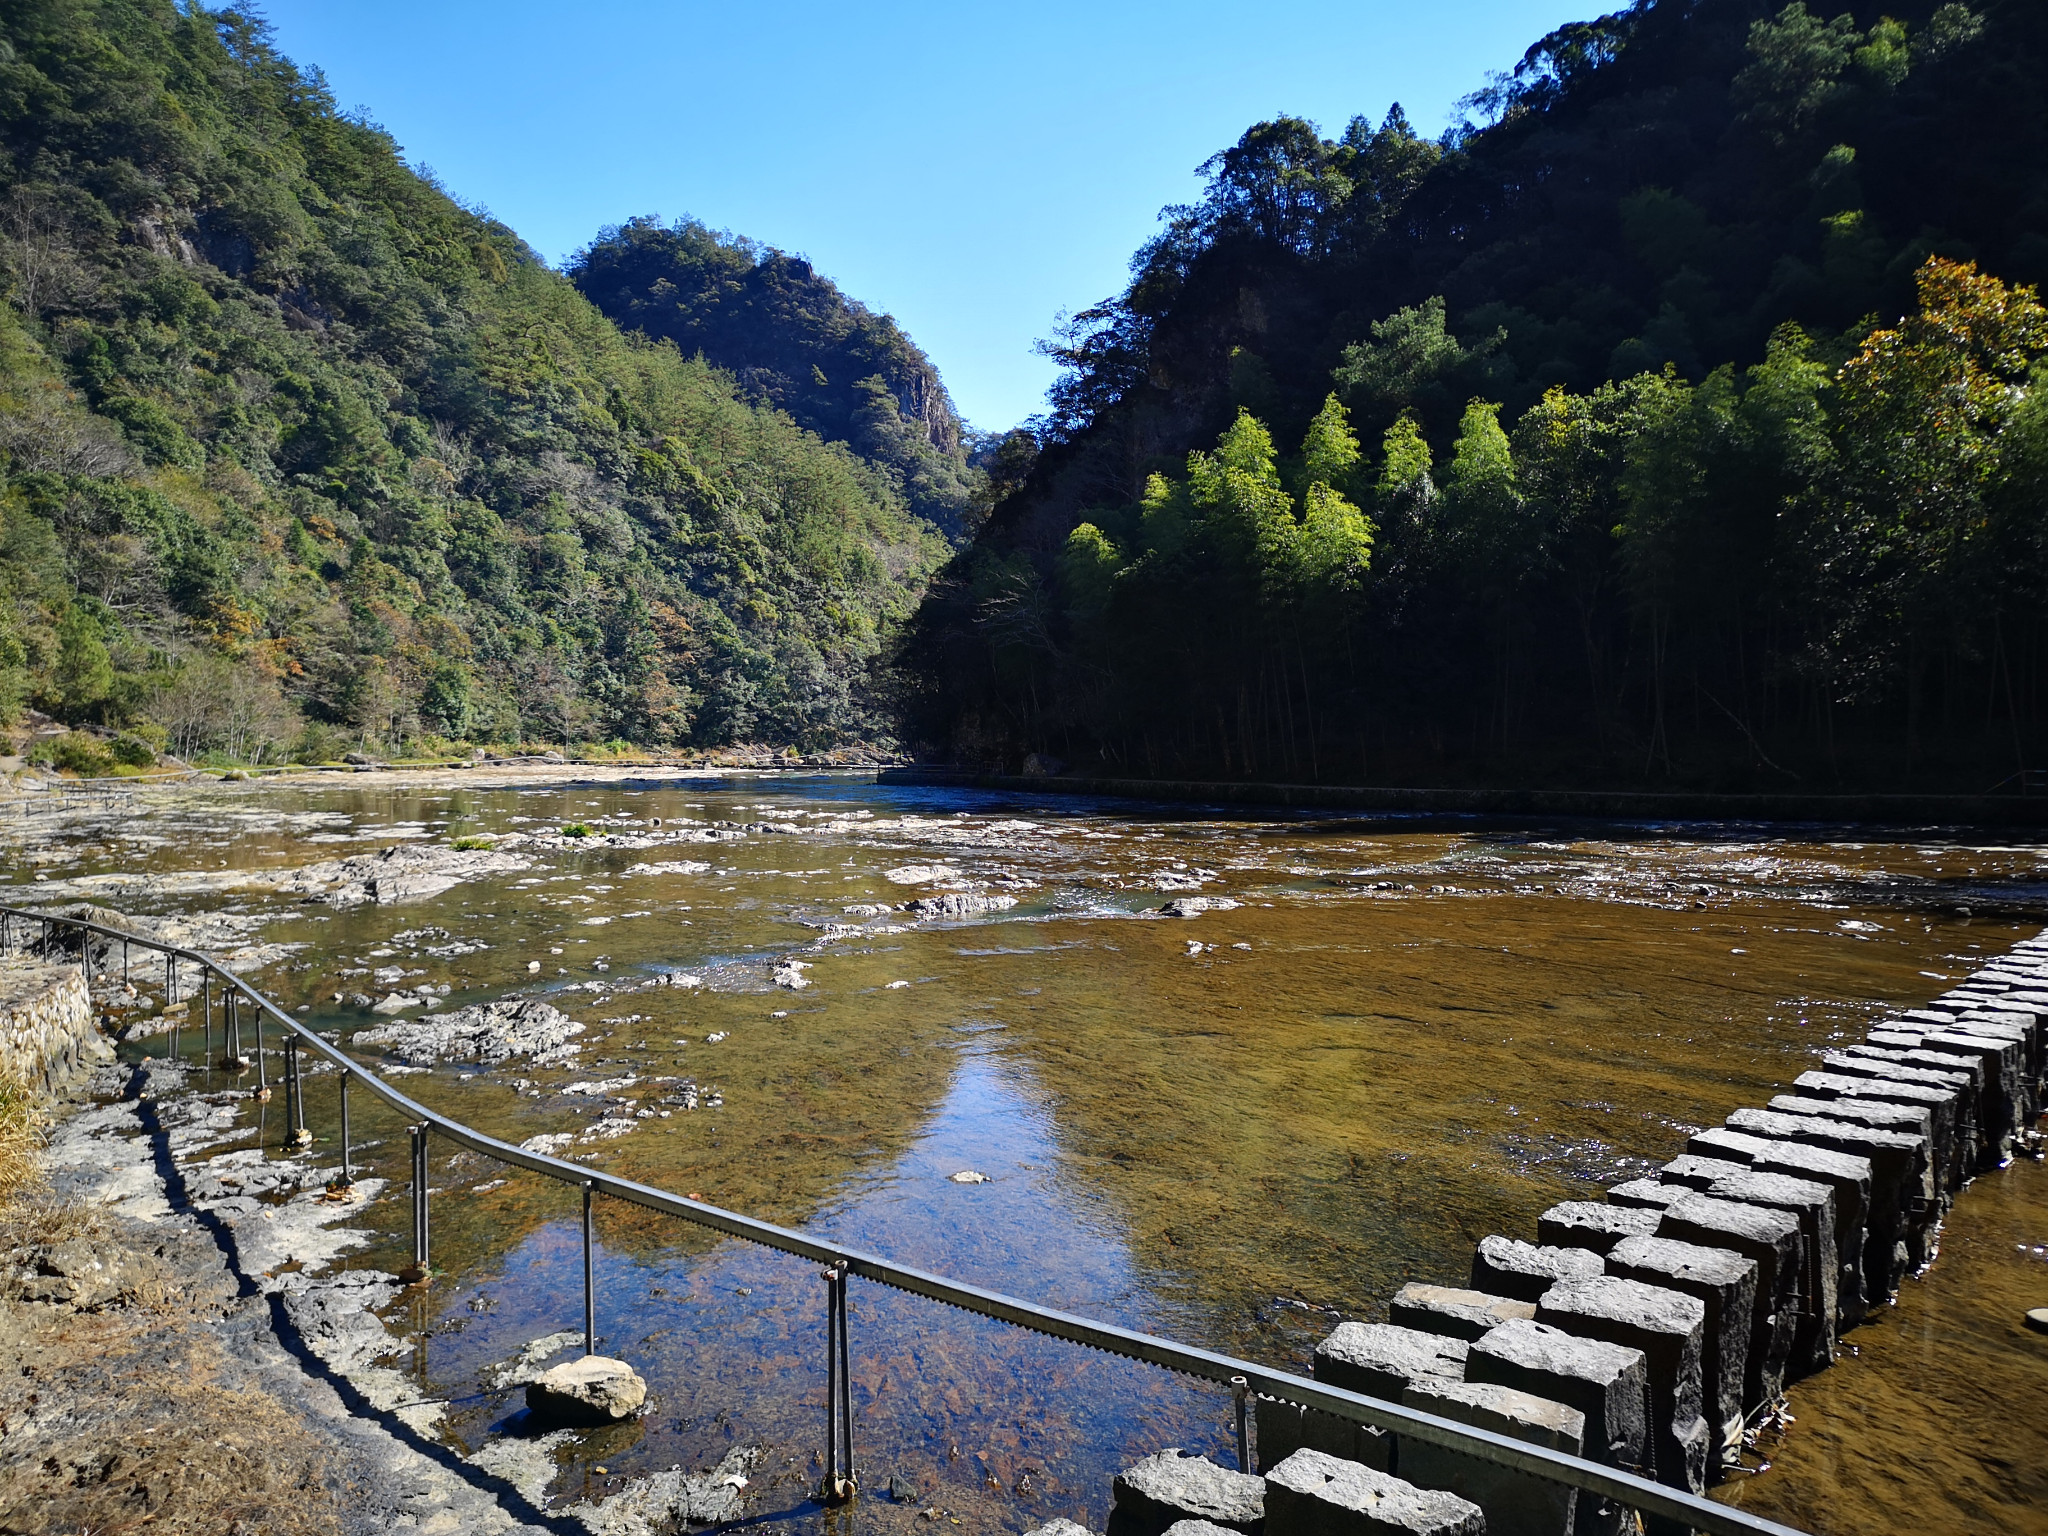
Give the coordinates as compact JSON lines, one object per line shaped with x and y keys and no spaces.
{"x":48,"y":1037}
{"x":1655,"y":1331}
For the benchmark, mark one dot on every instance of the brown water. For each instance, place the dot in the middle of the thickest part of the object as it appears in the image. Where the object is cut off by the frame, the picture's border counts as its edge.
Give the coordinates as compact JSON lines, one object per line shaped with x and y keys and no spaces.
{"x":1408,"y":1035}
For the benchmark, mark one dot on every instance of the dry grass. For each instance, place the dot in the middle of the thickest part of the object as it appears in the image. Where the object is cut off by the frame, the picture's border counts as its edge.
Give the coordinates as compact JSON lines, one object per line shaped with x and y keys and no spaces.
{"x":23,"y":1122}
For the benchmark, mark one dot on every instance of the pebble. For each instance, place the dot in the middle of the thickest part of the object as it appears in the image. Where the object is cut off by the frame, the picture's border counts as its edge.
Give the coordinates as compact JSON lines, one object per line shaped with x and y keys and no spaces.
{"x":968,"y":1176}
{"x":2037,"y":1319}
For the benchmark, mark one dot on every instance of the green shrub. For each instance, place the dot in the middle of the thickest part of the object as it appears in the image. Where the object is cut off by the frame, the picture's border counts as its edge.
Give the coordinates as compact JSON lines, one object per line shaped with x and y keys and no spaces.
{"x":471,"y":844}
{"x":133,"y":750}
{"x":77,"y":752}
{"x":576,"y":829}
{"x":319,"y":743}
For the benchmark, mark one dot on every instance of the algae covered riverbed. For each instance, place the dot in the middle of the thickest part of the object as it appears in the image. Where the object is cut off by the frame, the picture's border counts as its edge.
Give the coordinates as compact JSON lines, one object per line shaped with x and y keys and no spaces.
{"x":818,"y":1000}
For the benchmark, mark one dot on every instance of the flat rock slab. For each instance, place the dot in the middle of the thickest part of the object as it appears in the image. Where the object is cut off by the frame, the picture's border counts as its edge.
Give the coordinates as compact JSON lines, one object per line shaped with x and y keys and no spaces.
{"x":1725,"y":1284}
{"x":1669,"y":1327}
{"x":1591,"y":1225}
{"x":1515,"y":1503}
{"x":1453,"y":1311}
{"x":1310,"y":1494}
{"x":593,"y":1390}
{"x":1380,"y":1359}
{"x":1169,"y":1487}
{"x":1505,"y":1266}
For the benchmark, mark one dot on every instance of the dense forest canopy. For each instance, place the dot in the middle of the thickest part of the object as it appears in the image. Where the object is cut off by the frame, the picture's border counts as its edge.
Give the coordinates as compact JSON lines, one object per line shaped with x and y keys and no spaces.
{"x":1677,"y":418}
{"x":790,"y":338}
{"x":298,"y":452}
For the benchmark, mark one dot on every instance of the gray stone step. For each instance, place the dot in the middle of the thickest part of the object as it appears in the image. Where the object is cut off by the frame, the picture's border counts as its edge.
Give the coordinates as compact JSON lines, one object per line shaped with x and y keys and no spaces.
{"x":1724,"y":1281}
{"x":1848,"y":1176}
{"x":1453,"y":1311}
{"x":1505,"y":1266}
{"x":1772,"y":1239}
{"x":1669,"y":1327}
{"x":1515,"y":1503}
{"x":1592,"y":1225}
{"x":1168,"y":1486}
{"x":1311,"y":1494}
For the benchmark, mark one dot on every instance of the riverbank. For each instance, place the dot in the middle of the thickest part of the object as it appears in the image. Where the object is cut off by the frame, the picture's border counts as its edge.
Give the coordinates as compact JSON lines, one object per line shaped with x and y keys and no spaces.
{"x":1518,"y":805}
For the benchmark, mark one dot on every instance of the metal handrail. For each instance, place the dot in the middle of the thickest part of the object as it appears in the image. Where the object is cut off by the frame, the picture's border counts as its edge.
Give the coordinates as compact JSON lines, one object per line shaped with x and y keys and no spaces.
{"x":1538,"y":1461}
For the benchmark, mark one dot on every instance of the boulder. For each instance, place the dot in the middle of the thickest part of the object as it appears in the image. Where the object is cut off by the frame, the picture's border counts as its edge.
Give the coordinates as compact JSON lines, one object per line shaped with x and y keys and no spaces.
{"x":593,"y":1390}
{"x":1311,"y":1494}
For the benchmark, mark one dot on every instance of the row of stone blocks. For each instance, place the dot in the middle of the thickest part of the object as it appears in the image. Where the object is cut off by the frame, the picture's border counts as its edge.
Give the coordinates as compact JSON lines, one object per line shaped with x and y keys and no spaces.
{"x":1648,"y":1332}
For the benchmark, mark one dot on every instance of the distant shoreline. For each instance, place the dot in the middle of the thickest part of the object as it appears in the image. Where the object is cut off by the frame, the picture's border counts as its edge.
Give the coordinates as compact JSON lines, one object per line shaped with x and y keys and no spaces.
{"x":1517,"y":804}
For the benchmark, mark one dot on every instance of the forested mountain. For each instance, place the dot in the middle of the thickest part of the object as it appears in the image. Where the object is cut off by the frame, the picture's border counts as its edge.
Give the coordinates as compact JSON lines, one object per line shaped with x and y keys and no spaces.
{"x":298,"y":451}
{"x":1678,"y":420}
{"x":792,"y":340}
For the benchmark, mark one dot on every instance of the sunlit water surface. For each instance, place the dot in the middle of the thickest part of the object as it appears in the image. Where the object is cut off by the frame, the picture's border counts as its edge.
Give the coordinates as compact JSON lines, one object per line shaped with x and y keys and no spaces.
{"x":1231,"y":1129}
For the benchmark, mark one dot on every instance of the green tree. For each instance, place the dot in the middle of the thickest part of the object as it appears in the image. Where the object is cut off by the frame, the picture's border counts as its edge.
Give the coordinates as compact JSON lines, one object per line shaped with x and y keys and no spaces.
{"x":84,"y":675}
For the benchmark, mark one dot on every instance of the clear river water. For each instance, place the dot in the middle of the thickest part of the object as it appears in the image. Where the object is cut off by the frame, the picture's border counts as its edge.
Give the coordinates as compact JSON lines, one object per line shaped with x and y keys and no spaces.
{"x":1235,"y":1128}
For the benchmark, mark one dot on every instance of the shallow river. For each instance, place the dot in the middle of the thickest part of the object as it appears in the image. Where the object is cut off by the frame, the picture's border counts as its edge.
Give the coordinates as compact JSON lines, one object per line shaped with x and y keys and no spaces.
{"x":1232,"y":1129}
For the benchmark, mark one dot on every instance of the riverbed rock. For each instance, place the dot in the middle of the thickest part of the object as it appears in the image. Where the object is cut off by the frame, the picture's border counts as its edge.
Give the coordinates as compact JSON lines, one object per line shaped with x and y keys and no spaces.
{"x":402,"y":872}
{"x":1195,"y":906}
{"x":672,"y":1500}
{"x":1311,"y":1494}
{"x":1516,"y":1504}
{"x":1169,"y":1486}
{"x":958,"y":904}
{"x":593,"y":1390}
{"x":488,"y":1033}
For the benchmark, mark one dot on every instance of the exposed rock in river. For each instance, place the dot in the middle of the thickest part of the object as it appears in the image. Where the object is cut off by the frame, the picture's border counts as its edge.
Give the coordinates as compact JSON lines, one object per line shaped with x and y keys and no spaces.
{"x":962,"y":904}
{"x":486,"y":1032}
{"x":402,"y":872}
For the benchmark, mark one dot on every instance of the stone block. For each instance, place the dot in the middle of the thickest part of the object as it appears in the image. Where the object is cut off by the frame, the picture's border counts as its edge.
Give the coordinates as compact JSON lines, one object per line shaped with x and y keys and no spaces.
{"x":1284,"y":1428}
{"x":1772,"y":1239}
{"x":1504,"y":1266}
{"x":1516,"y":1504}
{"x":1608,"y":1383}
{"x":1310,"y":1494}
{"x":1944,"y":1109}
{"x":1691,"y":1171}
{"x":1591,"y":1225}
{"x":1812,"y":1205}
{"x":1896,"y":1161}
{"x":1646,"y":1194}
{"x":1454,"y":1312}
{"x":1169,"y":1487}
{"x":1724,"y":1282}
{"x":1849,"y":1177}
{"x":1379,"y":1359}
{"x":1669,"y":1327}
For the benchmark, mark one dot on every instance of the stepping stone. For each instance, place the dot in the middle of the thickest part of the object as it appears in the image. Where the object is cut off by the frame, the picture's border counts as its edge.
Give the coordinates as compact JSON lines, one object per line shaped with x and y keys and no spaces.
{"x":1284,"y":1428}
{"x":1454,"y":1312}
{"x":1669,"y":1327}
{"x":1503,"y":1266}
{"x":1944,"y":1108}
{"x":1921,"y":1202}
{"x":1169,"y":1487}
{"x":1608,"y":1383}
{"x":1725,"y":1282}
{"x":1178,"y":1528}
{"x":1646,"y":1194}
{"x":1591,"y":1225}
{"x":595,"y":1389}
{"x":1813,"y":1206}
{"x":1772,"y":1239}
{"x":1693,"y":1172}
{"x":1069,"y":1528}
{"x":1895,"y":1163}
{"x":1310,"y":1494}
{"x":1516,"y":1504}
{"x":1380,"y":1359}
{"x":1849,"y":1177}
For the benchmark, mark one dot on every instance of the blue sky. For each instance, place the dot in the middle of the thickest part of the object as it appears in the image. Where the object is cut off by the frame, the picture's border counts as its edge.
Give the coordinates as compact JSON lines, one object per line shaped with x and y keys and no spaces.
{"x":972,"y":170}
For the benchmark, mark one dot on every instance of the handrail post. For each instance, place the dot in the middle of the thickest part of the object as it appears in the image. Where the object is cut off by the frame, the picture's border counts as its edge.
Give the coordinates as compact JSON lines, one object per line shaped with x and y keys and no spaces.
{"x":838,"y":1486}
{"x":262,"y":1072}
{"x":589,"y":1278}
{"x":206,"y":1025}
{"x":295,"y":1092}
{"x":1240,"y":1392}
{"x":421,"y":1270}
{"x":348,"y":1176}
